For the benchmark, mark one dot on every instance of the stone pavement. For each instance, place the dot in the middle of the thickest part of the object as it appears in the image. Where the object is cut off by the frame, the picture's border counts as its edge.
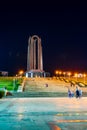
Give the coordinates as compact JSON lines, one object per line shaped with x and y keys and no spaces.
{"x":43,"y":113}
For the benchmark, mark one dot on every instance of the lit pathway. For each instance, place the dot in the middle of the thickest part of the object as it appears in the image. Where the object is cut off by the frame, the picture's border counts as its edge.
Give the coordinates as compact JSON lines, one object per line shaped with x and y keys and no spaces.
{"x":43,"y":114}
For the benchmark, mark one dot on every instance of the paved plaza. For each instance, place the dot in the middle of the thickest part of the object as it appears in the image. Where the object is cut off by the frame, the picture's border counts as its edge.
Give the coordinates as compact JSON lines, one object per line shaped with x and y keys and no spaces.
{"x":43,"y":113}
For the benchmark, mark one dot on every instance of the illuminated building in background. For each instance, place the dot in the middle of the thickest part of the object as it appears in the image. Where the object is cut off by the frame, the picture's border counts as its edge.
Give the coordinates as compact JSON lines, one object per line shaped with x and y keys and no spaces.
{"x":3,"y":73}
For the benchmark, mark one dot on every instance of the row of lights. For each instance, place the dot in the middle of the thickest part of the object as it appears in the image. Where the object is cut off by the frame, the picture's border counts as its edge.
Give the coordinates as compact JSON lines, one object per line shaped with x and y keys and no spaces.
{"x":70,"y":73}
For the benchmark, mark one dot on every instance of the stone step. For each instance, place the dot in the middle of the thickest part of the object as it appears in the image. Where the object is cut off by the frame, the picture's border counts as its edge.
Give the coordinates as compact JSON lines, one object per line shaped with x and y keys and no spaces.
{"x":37,"y":94}
{"x":40,"y":94}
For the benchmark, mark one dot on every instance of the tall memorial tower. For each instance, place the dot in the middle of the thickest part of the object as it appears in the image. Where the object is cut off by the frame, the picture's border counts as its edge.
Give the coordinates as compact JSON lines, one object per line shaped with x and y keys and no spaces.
{"x":34,"y":57}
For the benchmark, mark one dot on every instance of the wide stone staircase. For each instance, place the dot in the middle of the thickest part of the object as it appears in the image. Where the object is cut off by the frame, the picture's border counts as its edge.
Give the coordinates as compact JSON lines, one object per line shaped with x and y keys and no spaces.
{"x":42,"y":87}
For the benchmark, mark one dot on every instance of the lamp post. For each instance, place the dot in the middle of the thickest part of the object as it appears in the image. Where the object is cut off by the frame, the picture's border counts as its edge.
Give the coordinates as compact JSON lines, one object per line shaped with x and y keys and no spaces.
{"x":56,"y":73}
{"x":69,"y":74}
{"x":21,"y":72}
{"x":76,"y":75}
{"x":84,"y":75}
{"x":64,"y":74}
{"x":60,"y":73}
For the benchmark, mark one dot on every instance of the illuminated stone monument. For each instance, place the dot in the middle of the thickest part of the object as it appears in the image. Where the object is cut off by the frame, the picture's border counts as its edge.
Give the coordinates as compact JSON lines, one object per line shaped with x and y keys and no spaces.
{"x":35,"y":58}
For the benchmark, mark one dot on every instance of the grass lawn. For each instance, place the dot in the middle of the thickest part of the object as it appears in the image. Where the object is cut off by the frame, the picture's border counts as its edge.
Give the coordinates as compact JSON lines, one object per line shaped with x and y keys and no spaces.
{"x":11,"y":83}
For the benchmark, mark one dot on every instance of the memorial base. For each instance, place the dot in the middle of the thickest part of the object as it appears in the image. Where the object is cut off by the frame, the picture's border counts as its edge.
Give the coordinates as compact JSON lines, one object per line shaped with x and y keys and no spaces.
{"x":37,"y":73}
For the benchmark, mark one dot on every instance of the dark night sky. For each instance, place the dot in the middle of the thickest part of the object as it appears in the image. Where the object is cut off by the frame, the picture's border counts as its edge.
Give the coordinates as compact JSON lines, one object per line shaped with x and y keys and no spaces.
{"x":61,"y":26}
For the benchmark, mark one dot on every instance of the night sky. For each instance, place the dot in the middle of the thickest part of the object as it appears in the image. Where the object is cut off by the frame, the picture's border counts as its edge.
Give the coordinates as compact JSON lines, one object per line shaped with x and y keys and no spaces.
{"x":61,"y":26}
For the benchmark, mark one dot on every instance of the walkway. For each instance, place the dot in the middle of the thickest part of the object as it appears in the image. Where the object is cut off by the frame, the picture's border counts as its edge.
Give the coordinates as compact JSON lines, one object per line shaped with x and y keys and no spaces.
{"x":43,"y":114}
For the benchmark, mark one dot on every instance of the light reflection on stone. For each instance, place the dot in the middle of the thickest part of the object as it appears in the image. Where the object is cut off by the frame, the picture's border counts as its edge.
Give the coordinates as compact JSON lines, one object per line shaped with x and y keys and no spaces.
{"x":54,"y":127}
{"x":20,"y":116}
{"x":71,"y":121}
{"x":72,"y":114}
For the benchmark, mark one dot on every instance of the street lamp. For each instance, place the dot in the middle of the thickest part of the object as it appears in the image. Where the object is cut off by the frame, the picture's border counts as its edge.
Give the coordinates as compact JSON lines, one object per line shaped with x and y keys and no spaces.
{"x":64,"y":74}
{"x":84,"y":75}
{"x":57,"y":73}
{"x":21,"y":72}
{"x":76,"y":75}
{"x":69,"y":74}
{"x":60,"y":73}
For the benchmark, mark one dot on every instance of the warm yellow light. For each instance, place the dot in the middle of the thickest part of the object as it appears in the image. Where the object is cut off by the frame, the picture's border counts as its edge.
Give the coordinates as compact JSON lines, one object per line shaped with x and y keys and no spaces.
{"x":60,"y":72}
{"x":64,"y":73}
{"x":69,"y":73}
{"x":21,"y":72}
{"x":84,"y":75}
{"x":57,"y":72}
{"x":76,"y":75}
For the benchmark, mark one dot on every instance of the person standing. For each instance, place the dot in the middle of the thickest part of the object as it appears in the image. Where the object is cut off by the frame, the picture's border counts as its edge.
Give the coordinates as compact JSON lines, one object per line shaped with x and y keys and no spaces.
{"x":80,"y":93}
{"x":5,"y":90}
{"x":77,"y":92}
{"x":69,"y":93}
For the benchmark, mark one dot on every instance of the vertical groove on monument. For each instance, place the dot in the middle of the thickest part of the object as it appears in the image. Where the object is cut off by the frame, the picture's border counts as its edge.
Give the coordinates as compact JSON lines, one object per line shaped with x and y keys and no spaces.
{"x":28,"y":56}
{"x":41,"y":61}
{"x":34,"y":57}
